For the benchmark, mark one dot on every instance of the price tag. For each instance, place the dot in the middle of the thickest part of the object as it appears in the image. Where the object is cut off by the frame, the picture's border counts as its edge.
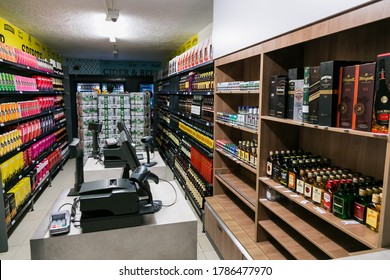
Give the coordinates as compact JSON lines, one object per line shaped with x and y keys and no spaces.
{"x":295,"y":195}
{"x":287,"y":191}
{"x":349,"y":222}
{"x":1,"y":60}
{"x":304,"y":202}
{"x":264,"y":178}
{"x":20,"y":177}
{"x":320,"y":210}
{"x":263,"y":199}
{"x":279,"y":187}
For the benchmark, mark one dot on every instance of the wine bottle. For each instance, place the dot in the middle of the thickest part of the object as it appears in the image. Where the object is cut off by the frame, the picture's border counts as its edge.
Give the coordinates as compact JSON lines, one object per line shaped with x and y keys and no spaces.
{"x":382,"y":95}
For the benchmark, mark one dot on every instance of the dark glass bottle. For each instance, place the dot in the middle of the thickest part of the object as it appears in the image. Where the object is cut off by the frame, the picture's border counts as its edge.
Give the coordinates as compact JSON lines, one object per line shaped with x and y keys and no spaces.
{"x":340,"y":201}
{"x":284,"y":170}
{"x":382,"y":95}
{"x":300,"y":185}
{"x":360,"y":207}
{"x":293,"y":174}
{"x":309,"y":186}
{"x":270,"y":160}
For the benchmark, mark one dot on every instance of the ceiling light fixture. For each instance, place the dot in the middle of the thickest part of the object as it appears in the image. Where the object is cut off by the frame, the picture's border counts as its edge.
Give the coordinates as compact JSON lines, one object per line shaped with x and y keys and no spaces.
{"x":112,"y":14}
{"x":112,"y":39}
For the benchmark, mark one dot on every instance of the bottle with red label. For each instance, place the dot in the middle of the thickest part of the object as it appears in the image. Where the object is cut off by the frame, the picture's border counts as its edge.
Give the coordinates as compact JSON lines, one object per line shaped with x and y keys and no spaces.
{"x":360,"y":206}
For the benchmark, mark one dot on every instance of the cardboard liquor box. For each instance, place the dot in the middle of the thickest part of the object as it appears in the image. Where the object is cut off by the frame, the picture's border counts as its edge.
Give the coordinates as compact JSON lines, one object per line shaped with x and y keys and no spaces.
{"x":272,"y":97}
{"x":281,"y":96}
{"x":293,"y":74}
{"x":348,"y":86}
{"x":380,"y":123}
{"x":298,"y":100}
{"x":364,"y":97}
{"x":314,"y":94}
{"x":329,"y":90}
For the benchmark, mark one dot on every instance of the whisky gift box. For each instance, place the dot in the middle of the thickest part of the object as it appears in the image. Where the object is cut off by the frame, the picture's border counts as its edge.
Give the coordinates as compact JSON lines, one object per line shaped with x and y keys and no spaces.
{"x":329,"y":90}
{"x":314,"y":94}
{"x":281,"y":96}
{"x":364,"y":97}
{"x":272,"y":97}
{"x":382,"y":95}
{"x":298,"y":100}
{"x":293,"y":74}
{"x":306,"y":88}
{"x":348,"y":81}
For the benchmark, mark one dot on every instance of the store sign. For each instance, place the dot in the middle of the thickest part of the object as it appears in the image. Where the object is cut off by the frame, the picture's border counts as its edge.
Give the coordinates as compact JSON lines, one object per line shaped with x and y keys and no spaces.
{"x":129,"y":68}
{"x":13,"y":36}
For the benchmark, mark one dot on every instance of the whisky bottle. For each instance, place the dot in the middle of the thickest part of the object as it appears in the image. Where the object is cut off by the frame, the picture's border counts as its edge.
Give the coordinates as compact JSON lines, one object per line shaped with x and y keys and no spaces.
{"x":239,"y":154}
{"x":300,"y":187}
{"x":284,"y":169}
{"x":373,"y":212}
{"x":270,"y":159}
{"x":340,"y":201}
{"x":308,"y":192}
{"x":276,"y":167}
{"x":382,"y":95}
{"x":327,"y":199}
{"x":318,"y":191}
{"x":360,"y":207}
{"x":293,"y":175}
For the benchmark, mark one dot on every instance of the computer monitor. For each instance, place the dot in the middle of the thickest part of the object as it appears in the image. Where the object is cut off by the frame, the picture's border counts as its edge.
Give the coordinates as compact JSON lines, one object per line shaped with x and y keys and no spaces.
{"x":122,"y":128}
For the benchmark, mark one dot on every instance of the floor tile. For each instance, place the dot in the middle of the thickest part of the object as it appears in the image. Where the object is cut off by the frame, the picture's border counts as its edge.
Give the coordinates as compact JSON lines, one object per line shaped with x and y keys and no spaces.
{"x":201,"y":256}
{"x":23,"y":253}
{"x":211,"y":255}
{"x":205,"y":244}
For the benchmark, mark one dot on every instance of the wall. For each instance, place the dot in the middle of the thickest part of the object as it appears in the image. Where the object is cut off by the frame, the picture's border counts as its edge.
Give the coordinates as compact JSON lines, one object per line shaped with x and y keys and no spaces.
{"x":240,"y":24}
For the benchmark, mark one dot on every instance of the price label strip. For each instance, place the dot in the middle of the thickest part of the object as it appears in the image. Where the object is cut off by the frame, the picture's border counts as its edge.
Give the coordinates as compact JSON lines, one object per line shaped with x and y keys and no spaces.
{"x":320,"y":210}
{"x":349,"y":222}
{"x":304,"y":202}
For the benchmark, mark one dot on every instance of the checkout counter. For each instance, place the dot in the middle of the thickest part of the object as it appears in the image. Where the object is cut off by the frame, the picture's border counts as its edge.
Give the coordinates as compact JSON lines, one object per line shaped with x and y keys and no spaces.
{"x":169,"y":234}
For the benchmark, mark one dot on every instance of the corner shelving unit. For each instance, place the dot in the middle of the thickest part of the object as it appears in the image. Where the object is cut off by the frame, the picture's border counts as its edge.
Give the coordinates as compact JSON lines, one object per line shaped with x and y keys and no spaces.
{"x":293,"y":228}
{"x":61,"y":142}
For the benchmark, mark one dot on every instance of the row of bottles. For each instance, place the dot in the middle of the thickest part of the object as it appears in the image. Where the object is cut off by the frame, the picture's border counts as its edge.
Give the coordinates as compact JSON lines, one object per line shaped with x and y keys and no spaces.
{"x":197,"y":106}
{"x":196,"y":82}
{"x":207,"y":109}
{"x":246,"y":150}
{"x":342,"y":192}
{"x":247,"y":116}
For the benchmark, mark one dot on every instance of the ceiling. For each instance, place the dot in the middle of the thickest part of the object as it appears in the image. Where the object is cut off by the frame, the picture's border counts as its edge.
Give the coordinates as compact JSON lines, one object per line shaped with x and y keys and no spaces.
{"x":147,"y":30}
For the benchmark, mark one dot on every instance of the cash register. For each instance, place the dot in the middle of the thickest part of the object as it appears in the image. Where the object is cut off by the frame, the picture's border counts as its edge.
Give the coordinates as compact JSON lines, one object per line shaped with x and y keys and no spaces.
{"x":120,"y":202}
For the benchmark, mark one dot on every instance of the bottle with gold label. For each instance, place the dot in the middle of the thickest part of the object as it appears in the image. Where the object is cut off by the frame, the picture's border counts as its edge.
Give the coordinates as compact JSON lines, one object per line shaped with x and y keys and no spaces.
{"x":373,"y":212}
{"x":293,"y":174}
{"x":318,"y":191}
{"x":308,"y":192}
{"x":300,"y":186}
{"x":270,"y":160}
{"x":239,"y":153}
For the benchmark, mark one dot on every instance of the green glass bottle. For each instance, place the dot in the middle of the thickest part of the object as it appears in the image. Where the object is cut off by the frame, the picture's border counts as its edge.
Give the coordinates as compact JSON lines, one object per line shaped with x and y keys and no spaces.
{"x":340,"y":201}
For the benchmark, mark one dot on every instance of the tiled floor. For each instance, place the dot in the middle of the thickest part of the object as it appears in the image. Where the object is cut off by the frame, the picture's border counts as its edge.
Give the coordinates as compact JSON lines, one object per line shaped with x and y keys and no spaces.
{"x":18,"y":242}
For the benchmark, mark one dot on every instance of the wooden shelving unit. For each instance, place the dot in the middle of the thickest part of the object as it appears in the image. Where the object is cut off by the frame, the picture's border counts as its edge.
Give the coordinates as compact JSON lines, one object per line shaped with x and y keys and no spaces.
{"x":293,"y":228}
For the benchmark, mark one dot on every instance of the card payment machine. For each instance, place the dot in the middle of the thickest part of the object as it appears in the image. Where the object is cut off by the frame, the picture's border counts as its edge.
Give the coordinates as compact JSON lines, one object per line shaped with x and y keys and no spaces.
{"x":59,"y":222}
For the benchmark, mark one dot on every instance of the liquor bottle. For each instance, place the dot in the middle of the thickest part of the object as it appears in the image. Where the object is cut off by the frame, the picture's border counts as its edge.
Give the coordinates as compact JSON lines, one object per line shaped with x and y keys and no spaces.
{"x":382,"y":95}
{"x":246,"y":152}
{"x":300,"y":186}
{"x":251,"y":155}
{"x":276,"y":165}
{"x":254,"y":152}
{"x":270,"y":159}
{"x":318,"y":191}
{"x":239,"y":154}
{"x":327,"y":199}
{"x":373,"y":212}
{"x":284,"y":169}
{"x":309,"y":183}
{"x":340,"y":201}
{"x":360,"y":207}
{"x":293,"y":174}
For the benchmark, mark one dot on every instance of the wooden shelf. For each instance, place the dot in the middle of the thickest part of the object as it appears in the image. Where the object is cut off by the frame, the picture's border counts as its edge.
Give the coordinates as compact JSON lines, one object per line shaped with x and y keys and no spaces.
{"x":240,"y":188}
{"x":241,"y":226}
{"x":357,"y":231}
{"x":327,"y":128}
{"x":331,"y":244}
{"x":271,"y":251}
{"x":243,"y":128}
{"x":239,"y":92}
{"x":236,"y":160}
{"x":292,"y":246}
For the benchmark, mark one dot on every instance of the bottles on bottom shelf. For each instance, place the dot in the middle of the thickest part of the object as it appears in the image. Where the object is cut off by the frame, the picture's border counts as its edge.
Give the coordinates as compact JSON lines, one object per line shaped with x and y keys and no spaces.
{"x":196,"y":186}
{"x":344,"y":193}
{"x":15,"y":197}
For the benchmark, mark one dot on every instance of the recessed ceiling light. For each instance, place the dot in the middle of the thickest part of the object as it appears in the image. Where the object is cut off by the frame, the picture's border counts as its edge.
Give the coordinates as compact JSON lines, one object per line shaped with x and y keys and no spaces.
{"x":112,"y":39}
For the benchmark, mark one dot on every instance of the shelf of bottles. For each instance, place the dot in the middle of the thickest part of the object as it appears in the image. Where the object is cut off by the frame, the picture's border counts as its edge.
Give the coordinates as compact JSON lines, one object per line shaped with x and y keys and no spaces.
{"x":348,"y":200}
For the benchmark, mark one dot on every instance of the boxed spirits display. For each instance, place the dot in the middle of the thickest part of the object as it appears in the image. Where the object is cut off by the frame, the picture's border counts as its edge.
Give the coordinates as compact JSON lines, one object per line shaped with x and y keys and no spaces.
{"x":314,"y":94}
{"x":364,"y":96}
{"x":305,"y":99}
{"x":348,"y":82}
{"x":329,"y":90}
{"x":293,"y":74}
{"x":298,"y":100}
{"x":272,"y":97}
{"x":382,"y":95}
{"x":281,"y":96}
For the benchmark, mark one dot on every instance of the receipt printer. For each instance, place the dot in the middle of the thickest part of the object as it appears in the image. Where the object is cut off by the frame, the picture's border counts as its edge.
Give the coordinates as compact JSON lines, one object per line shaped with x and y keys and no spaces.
{"x":109,"y":197}
{"x":109,"y":204}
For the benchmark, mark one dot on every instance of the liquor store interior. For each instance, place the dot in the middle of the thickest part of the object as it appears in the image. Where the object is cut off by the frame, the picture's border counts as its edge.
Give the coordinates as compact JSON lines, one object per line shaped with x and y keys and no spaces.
{"x":194,"y":130}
